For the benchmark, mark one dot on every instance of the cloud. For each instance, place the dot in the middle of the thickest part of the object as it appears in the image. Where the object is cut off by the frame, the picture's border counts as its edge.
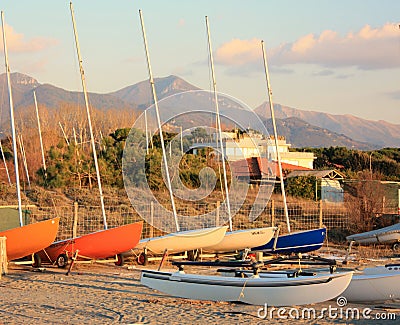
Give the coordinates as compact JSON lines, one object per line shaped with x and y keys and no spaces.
{"x":393,"y":95}
{"x":369,"y":48}
{"x":16,"y":42}
{"x":238,"y":52}
{"x":324,"y":73}
{"x":181,"y":22}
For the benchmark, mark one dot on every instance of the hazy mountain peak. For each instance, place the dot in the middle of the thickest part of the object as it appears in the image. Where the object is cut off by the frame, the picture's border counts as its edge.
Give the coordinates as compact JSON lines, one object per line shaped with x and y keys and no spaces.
{"x":22,"y":79}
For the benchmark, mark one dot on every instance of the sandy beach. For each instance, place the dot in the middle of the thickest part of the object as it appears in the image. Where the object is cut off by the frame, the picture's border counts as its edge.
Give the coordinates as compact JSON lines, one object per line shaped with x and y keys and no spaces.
{"x":107,"y":294}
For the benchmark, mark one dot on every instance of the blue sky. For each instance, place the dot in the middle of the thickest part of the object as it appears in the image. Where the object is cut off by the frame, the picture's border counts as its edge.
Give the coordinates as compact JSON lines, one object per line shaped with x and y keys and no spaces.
{"x":338,"y":57}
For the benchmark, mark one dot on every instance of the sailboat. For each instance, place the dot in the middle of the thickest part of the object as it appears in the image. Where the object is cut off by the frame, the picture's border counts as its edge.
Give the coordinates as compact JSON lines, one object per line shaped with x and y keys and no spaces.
{"x":296,"y":242}
{"x":104,"y":243}
{"x":179,"y":241}
{"x":240,"y":239}
{"x":26,"y":239}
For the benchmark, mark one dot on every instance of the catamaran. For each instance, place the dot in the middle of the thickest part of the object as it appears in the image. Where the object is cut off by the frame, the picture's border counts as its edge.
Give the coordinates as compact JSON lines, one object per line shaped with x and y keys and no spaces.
{"x":26,"y":239}
{"x":252,"y":289}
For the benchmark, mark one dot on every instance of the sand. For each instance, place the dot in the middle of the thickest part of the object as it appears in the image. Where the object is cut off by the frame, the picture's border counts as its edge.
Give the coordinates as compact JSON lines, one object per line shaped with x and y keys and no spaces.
{"x":107,"y":294}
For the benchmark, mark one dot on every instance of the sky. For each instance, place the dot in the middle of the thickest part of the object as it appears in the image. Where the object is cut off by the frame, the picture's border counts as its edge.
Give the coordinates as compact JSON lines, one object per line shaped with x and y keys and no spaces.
{"x":337,"y":57}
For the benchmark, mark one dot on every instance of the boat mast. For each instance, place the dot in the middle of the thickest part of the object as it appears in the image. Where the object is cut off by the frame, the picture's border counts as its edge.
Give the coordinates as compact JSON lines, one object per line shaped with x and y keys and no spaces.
{"x":88,"y":116}
{"x":271,"y":106}
{"x":40,"y":135}
{"x":14,"y":138}
{"x":153,"y":89}
{"x":219,"y":124}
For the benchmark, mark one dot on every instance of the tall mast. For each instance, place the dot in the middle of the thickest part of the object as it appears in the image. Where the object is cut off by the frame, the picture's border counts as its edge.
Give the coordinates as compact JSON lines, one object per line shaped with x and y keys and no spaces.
{"x":219,"y":124}
{"x":271,"y":106}
{"x":89,"y":118}
{"x":14,"y":138}
{"x":40,"y":135}
{"x":153,"y":89}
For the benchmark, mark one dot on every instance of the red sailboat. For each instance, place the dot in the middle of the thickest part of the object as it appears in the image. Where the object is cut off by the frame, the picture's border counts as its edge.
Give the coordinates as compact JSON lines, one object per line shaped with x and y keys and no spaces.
{"x":97,"y":245}
{"x":101,"y":244}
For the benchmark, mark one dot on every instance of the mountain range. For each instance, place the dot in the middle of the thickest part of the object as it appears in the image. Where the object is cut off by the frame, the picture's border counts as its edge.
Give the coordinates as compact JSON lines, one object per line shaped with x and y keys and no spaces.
{"x":301,"y":128}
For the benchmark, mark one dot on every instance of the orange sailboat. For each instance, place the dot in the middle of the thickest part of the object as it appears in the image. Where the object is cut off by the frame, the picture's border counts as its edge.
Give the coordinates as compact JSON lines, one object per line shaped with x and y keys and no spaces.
{"x":101,"y":244}
{"x":29,"y":239}
{"x":98,"y":245}
{"x":25,"y":240}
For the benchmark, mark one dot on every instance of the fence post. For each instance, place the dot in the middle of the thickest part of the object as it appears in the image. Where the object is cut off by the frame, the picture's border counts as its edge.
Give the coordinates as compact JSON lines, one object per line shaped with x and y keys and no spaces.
{"x":75,"y":222}
{"x":217,"y":214}
{"x":3,"y":256}
{"x":272,"y":213}
{"x":320,"y":214}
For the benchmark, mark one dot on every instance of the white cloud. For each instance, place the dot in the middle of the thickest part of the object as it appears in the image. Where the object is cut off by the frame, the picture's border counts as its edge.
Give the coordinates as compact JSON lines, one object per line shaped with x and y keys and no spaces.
{"x":369,"y":48}
{"x":238,"y":52}
{"x":16,"y":42}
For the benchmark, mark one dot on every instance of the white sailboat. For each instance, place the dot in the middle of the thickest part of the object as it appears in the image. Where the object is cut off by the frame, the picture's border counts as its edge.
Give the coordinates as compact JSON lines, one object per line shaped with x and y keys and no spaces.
{"x":179,"y":241}
{"x":239,"y":239}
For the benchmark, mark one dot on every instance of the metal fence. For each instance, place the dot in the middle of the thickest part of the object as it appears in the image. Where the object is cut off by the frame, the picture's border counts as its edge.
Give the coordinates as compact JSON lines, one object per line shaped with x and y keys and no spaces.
{"x":77,"y":220}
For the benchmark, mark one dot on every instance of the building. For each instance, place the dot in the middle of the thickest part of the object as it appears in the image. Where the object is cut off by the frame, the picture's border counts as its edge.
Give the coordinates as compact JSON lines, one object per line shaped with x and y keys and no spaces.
{"x":328,"y":183}
{"x":243,"y":145}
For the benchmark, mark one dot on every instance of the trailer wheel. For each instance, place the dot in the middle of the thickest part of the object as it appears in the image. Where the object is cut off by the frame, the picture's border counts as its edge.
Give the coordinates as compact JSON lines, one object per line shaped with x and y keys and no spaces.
{"x":142,"y":259}
{"x":37,"y":261}
{"x":396,"y":247}
{"x":120,"y":260}
{"x":62,"y":261}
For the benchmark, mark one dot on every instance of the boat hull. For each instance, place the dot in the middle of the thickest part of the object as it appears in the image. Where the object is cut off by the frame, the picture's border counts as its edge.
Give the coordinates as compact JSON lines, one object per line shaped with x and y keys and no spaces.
{"x":386,"y":235}
{"x":376,"y":284}
{"x":242,"y":239}
{"x":97,"y":245}
{"x":296,"y":242}
{"x":29,"y":239}
{"x":253,"y":290}
{"x":182,"y":241}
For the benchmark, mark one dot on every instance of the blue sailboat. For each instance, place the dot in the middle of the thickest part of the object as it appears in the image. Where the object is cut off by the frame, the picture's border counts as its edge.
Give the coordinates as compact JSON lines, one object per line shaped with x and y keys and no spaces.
{"x":295,"y":242}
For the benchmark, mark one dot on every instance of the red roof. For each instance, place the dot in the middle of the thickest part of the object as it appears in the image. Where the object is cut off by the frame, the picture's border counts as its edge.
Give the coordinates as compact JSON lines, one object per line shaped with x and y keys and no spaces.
{"x":255,"y":167}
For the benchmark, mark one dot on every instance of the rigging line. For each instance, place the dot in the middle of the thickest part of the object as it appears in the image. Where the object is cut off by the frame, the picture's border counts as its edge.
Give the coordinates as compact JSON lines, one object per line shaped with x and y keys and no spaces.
{"x":5,"y":163}
{"x":40,"y":135}
{"x":23,"y":157}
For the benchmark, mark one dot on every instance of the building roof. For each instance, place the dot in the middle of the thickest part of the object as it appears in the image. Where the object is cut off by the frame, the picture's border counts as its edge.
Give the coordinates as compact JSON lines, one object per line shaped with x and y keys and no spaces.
{"x":256,"y":167}
{"x":329,"y":173}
